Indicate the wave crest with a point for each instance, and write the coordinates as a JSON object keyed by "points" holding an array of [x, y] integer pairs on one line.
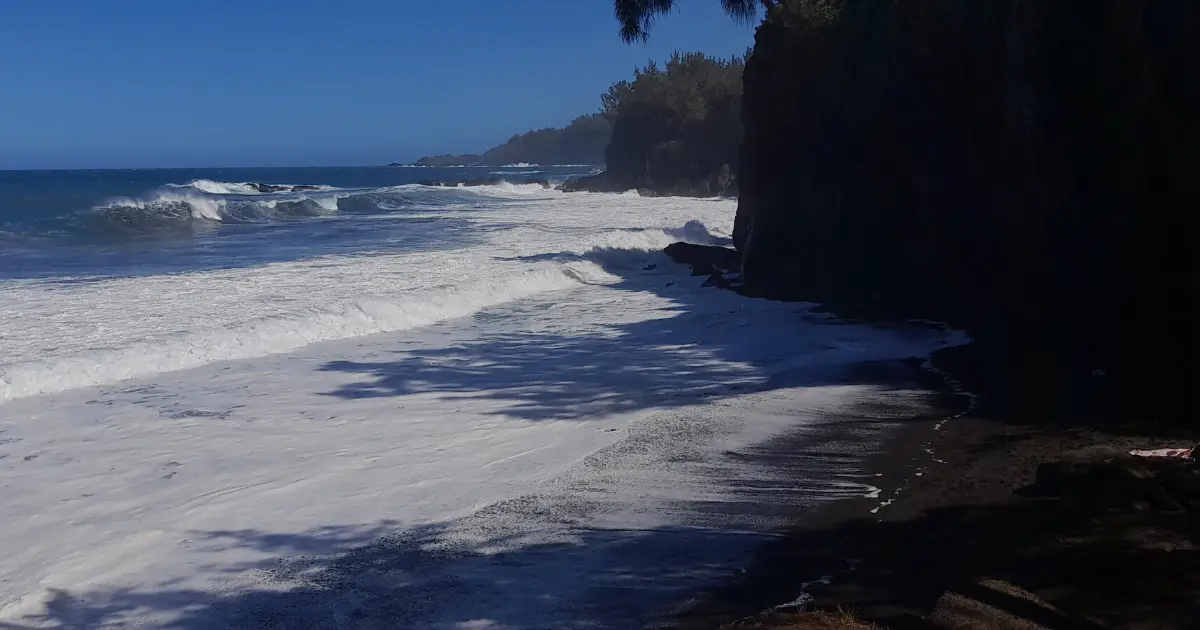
{"points": [[176, 207], [248, 188]]}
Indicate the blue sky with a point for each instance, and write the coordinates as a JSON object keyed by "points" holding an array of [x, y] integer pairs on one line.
{"points": [[155, 83]]}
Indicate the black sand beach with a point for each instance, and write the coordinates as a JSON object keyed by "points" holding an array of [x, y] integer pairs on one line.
{"points": [[972, 542]]}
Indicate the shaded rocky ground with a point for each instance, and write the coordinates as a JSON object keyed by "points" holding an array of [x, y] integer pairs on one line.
{"points": [[1011, 516], [980, 541]]}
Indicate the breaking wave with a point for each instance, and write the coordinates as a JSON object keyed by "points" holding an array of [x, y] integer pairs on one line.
{"points": [[172, 207], [246, 188], [204, 204]]}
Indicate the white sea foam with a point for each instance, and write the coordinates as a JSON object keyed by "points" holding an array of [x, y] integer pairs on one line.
{"points": [[56, 336], [598, 427], [278, 334], [505, 189]]}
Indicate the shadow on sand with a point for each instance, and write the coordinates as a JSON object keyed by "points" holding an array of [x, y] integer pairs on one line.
{"points": [[700, 343], [706, 343]]}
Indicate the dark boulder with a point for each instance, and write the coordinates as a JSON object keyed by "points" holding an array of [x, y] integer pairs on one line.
{"points": [[455, 183], [481, 181], [706, 259], [601, 182], [544, 183], [269, 188]]}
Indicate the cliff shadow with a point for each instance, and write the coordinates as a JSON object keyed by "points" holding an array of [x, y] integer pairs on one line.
{"points": [[423, 577], [684, 344]]}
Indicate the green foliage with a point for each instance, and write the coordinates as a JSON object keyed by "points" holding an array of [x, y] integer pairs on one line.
{"points": [[691, 85], [676, 122], [636, 17]]}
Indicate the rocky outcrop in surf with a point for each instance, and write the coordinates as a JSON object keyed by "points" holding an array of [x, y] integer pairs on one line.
{"points": [[272, 188], [454, 183], [480, 181]]}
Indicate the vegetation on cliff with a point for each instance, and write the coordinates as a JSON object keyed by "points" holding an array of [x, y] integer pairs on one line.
{"points": [[1020, 169], [676, 128], [581, 142]]}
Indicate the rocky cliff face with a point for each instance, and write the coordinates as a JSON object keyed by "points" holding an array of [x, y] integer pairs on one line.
{"points": [[1021, 168]]}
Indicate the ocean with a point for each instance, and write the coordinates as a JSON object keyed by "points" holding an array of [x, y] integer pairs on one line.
{"points": [[337, 398]]}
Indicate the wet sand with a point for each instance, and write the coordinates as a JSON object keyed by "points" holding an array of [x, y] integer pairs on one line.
{"points": [[963, 520]]}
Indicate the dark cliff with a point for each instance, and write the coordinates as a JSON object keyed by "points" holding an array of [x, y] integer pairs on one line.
{"points": [[1023, 169]]}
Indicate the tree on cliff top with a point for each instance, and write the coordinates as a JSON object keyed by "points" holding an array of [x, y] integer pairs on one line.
{"points": [[676, 125], [690, 85], [637, 16]]}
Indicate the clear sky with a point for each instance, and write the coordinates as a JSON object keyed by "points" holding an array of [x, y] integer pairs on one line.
{"points": [[158, 83]]}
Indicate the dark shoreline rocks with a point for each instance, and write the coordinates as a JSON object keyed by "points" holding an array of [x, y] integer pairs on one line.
{"points": [[455, 183], [721, 184], [722, 265], [479, 181], [705, 259], [1056, 508], [601, 182], [272, 188]]}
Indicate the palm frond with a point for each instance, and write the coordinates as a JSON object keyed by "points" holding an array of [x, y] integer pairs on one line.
{"points": [[744, 11], [637, 16]]}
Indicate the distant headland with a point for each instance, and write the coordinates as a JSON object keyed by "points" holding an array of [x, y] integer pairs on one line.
{"points": [[580, 142], [673, 129]]}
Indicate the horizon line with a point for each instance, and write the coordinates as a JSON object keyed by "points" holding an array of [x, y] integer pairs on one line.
{"points": [[201, 168]]}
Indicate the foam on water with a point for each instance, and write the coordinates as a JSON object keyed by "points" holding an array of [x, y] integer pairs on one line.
{"points": [[280, 334], [603, 429], [505, 189], [56, 336]]}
